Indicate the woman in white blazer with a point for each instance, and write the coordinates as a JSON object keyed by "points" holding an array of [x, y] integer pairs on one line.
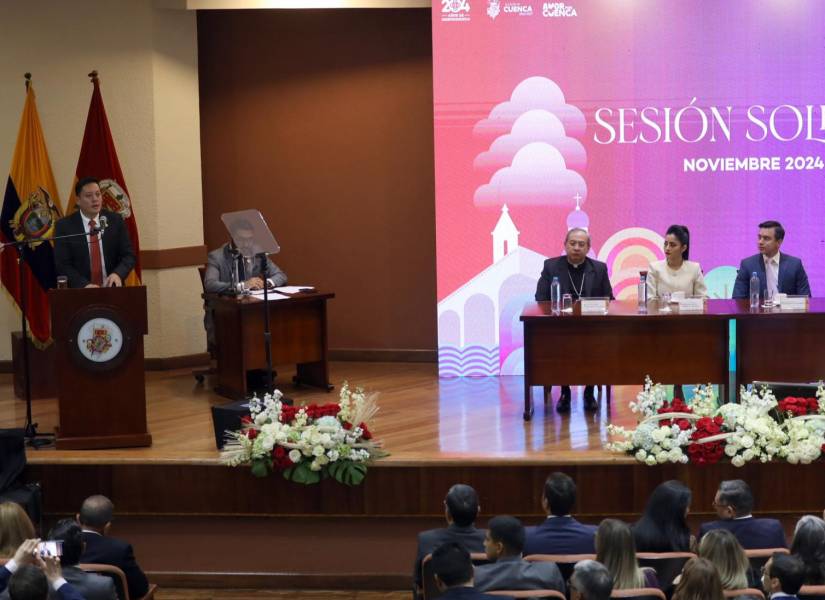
{"points": [[676, 273]]}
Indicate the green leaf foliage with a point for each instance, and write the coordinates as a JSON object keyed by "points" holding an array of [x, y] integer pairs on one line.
{"points": [[348, 473], [301, 473]]}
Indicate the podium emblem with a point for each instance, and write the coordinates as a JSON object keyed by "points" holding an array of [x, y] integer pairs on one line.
{"points": [[99, 340]]}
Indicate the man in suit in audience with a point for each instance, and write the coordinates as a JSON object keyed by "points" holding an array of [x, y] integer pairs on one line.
{"points": [[21, 580], [104, 256], [508, 570], [783, 576], [454, 573], [460, 510], [90, 585], [560, 533], [777, 272], [579, 276], [95, 518], [733, 504], [590, 581]]}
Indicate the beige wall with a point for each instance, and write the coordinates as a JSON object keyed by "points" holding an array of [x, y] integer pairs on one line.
{"points": [[147, 61]]}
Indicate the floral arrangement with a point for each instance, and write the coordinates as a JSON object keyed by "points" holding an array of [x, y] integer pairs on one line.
{"points": [[307, 443], [758, 427]]}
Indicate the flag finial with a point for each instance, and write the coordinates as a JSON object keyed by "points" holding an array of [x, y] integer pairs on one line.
{"points": [[93, 76], [28, 78]]}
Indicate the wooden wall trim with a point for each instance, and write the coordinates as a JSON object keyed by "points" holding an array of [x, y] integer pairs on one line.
{"points": [[283, 581], [170, 258], [383, 355]]}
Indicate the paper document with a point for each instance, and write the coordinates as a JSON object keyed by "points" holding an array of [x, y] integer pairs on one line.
{"points": [[294, 289], [272, 295]]}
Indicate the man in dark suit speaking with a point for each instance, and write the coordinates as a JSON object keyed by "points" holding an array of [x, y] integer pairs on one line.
{"points": [[777, 272], [101, 258], [579, 276]]}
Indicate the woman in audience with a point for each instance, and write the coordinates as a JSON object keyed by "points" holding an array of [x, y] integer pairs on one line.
{"points": [[700, 581], [722, 549], [809, 545], [15, 528], [616, 551], [663, 526], [676, 273]]}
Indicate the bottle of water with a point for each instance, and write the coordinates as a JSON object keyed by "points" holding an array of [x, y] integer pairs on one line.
{"points": [[555, 295], [754, 291], [643, 289]]}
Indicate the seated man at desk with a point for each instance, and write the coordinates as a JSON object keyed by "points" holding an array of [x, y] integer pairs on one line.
{"points": [[579, 276], [218, 276]]}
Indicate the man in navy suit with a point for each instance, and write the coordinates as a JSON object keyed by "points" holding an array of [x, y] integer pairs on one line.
{"points": [[578, 276], [460, 510], [783, 576], [733, 504], [560, 533], [509, 571], [95, 518], [101, 258], [454, 573], [777, 272], [27, 582]]}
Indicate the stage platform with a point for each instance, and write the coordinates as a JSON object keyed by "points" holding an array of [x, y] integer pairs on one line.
{"points": [[196, 522]]}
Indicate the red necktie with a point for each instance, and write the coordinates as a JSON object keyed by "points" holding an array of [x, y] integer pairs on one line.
{"points": [[94, 249]]}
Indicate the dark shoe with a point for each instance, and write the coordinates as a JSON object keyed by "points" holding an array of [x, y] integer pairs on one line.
{"points": [[563, 405], [590, 402]]}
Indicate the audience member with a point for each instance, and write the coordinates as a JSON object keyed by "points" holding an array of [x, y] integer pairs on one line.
{"points": [[454, 573], [699, 581], [590, 581], [782, 576], [23, 581], [90, 585], [616, 551], [508, 570], [15, 528], [663, 525], [722, 549], [733, 504], [95, 518], [809, 545], [460, 510], [560, 533]]}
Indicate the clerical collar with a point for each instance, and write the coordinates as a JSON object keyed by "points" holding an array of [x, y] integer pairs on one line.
{"points": [[574, 266]]}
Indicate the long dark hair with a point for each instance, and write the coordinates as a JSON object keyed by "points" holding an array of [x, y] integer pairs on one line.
{"points": [[662, 527], [681, 233], [809, 545]]}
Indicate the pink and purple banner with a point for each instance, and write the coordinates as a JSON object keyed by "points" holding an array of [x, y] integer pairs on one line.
{"points": [[623, 117]]}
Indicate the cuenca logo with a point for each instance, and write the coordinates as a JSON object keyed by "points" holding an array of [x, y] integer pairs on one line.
{"points": [[522, 10], [557, 9], [455, 10], [493, 8]]}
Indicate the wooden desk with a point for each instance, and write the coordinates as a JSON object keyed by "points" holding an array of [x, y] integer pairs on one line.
{"points": [[623, 346], [299, 336], [776, 345]]}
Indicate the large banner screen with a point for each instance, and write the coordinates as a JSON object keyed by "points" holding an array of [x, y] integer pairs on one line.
{"points": [[622, 117]]}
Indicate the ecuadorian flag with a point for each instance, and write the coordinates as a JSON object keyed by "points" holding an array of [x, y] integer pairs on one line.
{"points": [[31, 207]]}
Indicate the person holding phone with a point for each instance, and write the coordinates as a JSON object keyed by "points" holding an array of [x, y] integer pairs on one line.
{"points": [[29, 576], [90, 586]]}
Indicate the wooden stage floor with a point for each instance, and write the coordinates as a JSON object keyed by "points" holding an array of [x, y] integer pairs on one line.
{"points": [[422, 419]]}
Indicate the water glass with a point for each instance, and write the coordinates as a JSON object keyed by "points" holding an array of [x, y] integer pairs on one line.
{"points": [[62, 282], [664, 302], [567, 303], [768, 299]]}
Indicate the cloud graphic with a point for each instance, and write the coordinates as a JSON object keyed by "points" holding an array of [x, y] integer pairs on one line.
{"points": [[537, 125], [533, 92], [537, 177]]}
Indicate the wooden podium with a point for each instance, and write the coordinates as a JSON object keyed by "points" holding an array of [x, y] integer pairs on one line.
{"points": [[98, 335]]}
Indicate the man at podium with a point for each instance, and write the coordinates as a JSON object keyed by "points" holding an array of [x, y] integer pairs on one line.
{"points": [[101, 258]]}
